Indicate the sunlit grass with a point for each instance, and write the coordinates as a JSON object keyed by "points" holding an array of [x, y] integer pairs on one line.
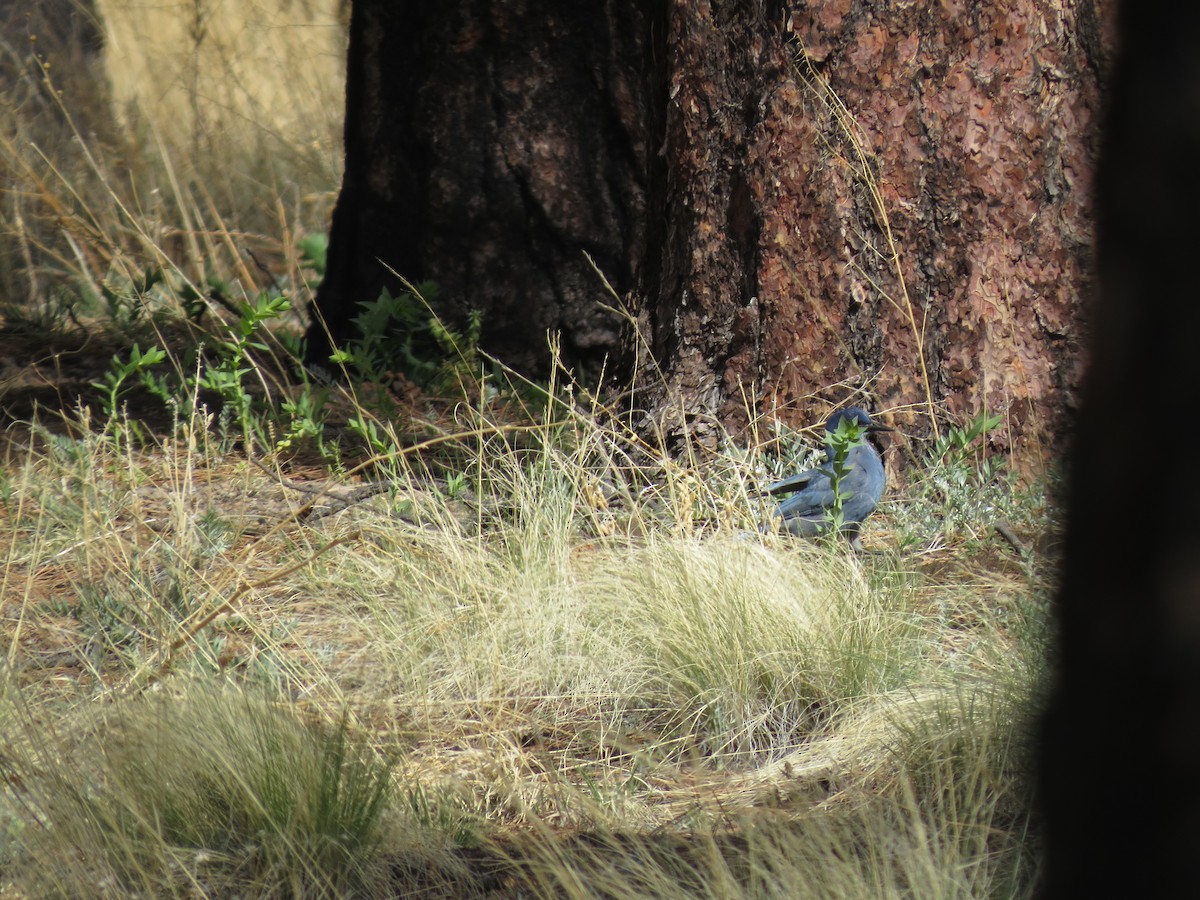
{"points": [[206, 789], [536, 661]]}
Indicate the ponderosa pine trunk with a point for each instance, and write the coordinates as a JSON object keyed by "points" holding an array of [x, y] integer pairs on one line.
{"points": [[877, 196], [489, 146], [794, 201]]}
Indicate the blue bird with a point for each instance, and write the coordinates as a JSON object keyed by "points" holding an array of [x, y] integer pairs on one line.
{"points": [[805, 512]]}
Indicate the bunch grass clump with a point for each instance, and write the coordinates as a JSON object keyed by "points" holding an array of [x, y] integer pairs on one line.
{"points": [[186, 792]]}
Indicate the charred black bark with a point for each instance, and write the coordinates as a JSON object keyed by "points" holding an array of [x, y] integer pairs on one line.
{"points": [[370, 230], [488, 147]]}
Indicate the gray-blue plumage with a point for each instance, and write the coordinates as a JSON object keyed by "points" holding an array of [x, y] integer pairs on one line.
{"points": [[804, 513]]}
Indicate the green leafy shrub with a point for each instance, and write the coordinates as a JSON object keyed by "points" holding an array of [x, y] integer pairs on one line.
{"points": [[314, 252], [403, 334], [962, 490]]}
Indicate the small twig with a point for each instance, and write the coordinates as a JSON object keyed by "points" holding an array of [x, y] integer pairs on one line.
{"points": [[352, 495], [261, 266], [1005, 531], [227, 606], [316, 492], [309, 512]]}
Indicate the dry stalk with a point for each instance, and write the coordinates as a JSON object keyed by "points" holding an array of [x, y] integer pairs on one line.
{"points": [[862, 167]]}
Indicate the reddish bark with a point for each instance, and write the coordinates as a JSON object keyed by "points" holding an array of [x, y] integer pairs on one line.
{"points": [[977, 122]]}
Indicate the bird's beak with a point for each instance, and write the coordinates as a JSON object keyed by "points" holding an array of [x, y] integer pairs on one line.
{"points": [[881, 443]]}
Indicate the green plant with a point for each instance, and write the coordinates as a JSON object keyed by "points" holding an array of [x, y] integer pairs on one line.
{"points": [[314, 250], [127, 616], [456, 485], [125, 306], [107, 619], [958, 447], [48, 311], [226, 376], [848, 434], [120, 371], [306, 419], [368, 431], [229, 363], [961, 489], [402, 334]]}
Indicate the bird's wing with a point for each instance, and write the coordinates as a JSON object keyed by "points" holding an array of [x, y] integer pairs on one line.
{"points": [[858, 470], [797, 482], [811, 500], [806, 504]]}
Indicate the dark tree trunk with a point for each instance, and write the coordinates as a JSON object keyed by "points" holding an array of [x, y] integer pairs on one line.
{"points": [[698, 293], [795, 200], [488, 147], [1118, 780]]}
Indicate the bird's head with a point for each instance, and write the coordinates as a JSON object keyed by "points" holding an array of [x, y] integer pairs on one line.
{"points": [[857, 415]]}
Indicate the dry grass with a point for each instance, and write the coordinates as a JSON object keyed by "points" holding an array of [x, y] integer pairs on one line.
{"points": [[202, 73], [545, 661], [538, 657], [202, 144]]}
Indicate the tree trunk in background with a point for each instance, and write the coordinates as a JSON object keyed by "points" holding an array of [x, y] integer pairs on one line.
{"points": [[1118, 777], [903, 209], [488, 146], [970, 126]]}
